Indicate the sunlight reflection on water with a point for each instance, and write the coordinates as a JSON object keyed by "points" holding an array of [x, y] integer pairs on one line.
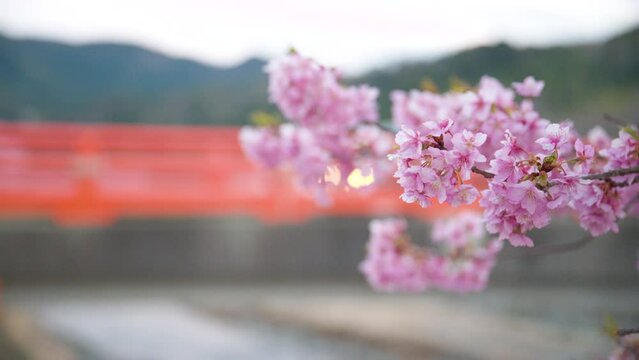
{"points": [[158, 329]]}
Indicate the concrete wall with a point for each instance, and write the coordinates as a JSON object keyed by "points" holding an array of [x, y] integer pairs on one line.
{"points": [[245, 249]]}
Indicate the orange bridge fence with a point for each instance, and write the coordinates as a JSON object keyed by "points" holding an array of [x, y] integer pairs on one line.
{"points": [[95, 173]]}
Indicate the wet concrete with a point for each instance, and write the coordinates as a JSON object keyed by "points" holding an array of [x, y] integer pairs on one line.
{"points": [[325, 321]]}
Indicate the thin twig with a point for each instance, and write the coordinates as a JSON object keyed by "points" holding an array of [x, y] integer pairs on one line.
{"points": [[625, 183], [624, 332], [615, 120], [601, 176], [612, 173], [552, 249], [484, 173]]}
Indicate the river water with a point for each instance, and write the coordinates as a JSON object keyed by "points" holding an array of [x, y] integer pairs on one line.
{"points": [[192, 322], [167, 330]]}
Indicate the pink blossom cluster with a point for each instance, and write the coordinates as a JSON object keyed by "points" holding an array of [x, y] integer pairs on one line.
{"points": [[461, 263], [466, 228], [529, 185], [627, 349], [331, 127], [490, 109], [535, 168], [310, 94], [432, 163]]}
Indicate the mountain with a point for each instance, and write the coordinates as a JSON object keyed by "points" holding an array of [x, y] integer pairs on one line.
{"points": [[111, 82], [121, 83], [582, 82]]}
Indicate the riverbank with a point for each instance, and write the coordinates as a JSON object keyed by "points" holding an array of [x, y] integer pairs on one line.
{"points": [[327, 320]]}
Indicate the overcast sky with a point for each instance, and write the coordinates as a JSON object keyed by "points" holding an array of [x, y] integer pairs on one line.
{"points": [[352, 34]]}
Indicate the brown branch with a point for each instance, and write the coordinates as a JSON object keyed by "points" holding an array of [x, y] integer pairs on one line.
{"points": [[625, 183], [624, 332], [552, 249], [612, 173], [615, 120], [484, 173], [600, 176], [607, 175]]}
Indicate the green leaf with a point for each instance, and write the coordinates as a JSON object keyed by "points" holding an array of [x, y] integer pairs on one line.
{"points": [[542, 179], [610, 326], [550, 161], [632, 131], [264, 119]]}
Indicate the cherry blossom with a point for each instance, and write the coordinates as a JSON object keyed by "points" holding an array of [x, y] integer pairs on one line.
{"points": [[555, 136], [329, 126], [529, 87], [410, 143], [534, 168], [462, 261]]}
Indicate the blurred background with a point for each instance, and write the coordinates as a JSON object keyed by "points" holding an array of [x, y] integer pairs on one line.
{"points": [[132, 226]]}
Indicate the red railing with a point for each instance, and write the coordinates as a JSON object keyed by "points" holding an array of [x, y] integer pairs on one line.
{"points": [[93, 174]]}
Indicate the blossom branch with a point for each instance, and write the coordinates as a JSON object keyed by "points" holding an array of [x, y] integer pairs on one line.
{"points": [[615, 120], [600, 176], [624, 332], [618, 121], [625, 183], [613, 173], [554, 248], [435, 153], [484, 173]]}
